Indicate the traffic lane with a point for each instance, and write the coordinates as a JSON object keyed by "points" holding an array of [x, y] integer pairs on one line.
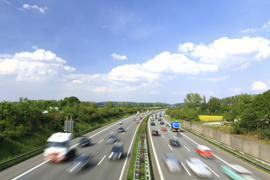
{"points": [[222, 157], [37, 161], [161, 147], [212, 164], [58, 171], [183, 154]]}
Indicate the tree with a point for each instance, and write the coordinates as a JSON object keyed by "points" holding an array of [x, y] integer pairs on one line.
{"points": [[193, 100]]}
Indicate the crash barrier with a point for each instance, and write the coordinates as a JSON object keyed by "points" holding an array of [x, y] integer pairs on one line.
{"points": [[213, 140], [146, 161], [31, 152], [137, 162]]}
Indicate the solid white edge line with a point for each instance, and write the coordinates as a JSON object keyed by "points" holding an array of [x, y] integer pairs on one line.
{"points": [[100, 141], [186, 169], [30, 170], [101, 160], [211, 170], [186, 148], [155, 154], [122, 172]]}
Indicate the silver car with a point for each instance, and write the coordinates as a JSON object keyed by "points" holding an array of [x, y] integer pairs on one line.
{"points": [[172, 163], [199, 168]]}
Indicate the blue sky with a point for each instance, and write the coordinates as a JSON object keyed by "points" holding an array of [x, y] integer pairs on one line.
{"points": [[142, 51]]}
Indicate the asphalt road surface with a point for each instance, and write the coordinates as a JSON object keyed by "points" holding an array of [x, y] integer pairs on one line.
{"points": [[100, 167], [160, 145]]}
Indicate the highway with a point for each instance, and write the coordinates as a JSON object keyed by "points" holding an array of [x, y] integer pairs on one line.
{"points": [[100, 166], [159, 145]]}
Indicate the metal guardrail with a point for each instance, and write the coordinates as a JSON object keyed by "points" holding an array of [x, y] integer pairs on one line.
{"points": [[146, 161], [28, 153], [137, 162]]}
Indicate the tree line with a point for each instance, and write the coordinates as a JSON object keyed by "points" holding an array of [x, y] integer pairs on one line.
{"points": [[248, 113], [26, 116]]}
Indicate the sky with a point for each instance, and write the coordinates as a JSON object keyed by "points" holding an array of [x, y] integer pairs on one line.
{"points": [[139, 51]]}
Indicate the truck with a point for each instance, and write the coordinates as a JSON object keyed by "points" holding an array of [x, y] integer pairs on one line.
{"points": [[175, 126], [160, 114], [58, 147]]}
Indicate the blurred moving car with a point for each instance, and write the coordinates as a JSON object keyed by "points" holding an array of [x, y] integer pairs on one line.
{"points": [[112, 139], [163, 129], [161, 122], [120, 122], [238, 172], [116, 152], [199, 168], [204, 151], [137, 122], [120, 129], [154, 132], [153, 123], [172, 163], [152, 119], [84, 142], [174, 142], [159, 119], [79, 162]]}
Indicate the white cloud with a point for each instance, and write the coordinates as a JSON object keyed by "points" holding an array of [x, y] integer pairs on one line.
{"points": [[233, 53], [119, 57], [186, 47], [36, 66], [35, 47], [266, 26], [237, 90], [259, 85], [248, 30], [35, 7], [217, 79]]}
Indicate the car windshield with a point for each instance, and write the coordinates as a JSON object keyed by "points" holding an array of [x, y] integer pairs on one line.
{"points": [[116, 149], [112, 137], [57, 144]]}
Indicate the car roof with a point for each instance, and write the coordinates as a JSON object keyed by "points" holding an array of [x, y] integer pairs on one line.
{"points": [[205, 148], [240, 169]]}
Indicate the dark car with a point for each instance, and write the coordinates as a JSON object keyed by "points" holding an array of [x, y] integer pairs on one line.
{"points": [[161, 122], [112, 139], [154, 132], [159, 119], [84, 142], [116, 152], [121, 129], [79, 162], [153, 124], [174, 142]]}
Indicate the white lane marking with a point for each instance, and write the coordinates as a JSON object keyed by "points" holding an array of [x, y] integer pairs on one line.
{"points": [[186, 148], [75, 167], [112, 132], [123, 133], [155, 154], [127, 127], [101, 160], [122, 172], [30, 170], [170, 147], [100, 141], [162, 136], [49, 160], [186, 169], [174, 137], [213, 153], [211, 170]]}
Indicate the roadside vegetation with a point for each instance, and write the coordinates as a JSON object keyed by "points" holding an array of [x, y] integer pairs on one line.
{"points": [[245, 115], [26, 125]]}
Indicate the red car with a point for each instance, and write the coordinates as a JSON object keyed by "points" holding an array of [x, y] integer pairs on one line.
{"points": [[137, 122], [204, 151], [163, 129]]}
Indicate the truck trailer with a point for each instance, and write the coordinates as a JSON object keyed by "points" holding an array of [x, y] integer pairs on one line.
{"points": [[175, 126]]}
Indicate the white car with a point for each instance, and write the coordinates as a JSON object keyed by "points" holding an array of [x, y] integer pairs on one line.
{"points": [[199, 168], [120, 123]]}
